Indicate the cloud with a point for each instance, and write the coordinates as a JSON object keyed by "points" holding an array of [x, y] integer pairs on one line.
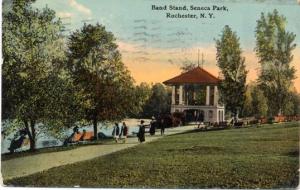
{"points": [[81, 8], [65, 14]]}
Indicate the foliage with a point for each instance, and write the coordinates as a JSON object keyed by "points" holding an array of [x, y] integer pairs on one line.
{"points": [[159, 101], [142, 95], [255, 102], [292, 106], [105, 86], [200, 96], [33, 55], [274, 46], [232, 65], [248, 158], [187, 65], [247, 107], [259, 102]]}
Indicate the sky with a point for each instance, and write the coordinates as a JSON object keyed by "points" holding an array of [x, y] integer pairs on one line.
{"points": [[153, 47]]}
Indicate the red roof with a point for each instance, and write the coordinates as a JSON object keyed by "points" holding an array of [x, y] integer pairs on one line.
{"points": [[194, 76]]}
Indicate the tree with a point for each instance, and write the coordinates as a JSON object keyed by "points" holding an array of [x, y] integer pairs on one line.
{"points": [[247, 110], [105, 85], [259, 102], [33, 52], [142, 95], [187, 65], [274, 46], [159, 101], [293, 103], [232, 65]]}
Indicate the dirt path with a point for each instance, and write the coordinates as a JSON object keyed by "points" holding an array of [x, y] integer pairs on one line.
{"points": [[27, 165]]}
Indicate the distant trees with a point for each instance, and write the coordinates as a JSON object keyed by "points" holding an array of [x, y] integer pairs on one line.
{"points": [[232, 66], [256, 104], [293, 103], [106, 87], [259, 103], [274, 46], [143, 92], [152, 100], [159, 101]]}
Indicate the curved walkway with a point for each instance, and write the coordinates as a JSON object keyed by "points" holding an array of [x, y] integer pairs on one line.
{"points": [[27, 165]]}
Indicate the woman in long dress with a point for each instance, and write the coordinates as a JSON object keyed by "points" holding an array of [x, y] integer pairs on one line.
{"points": [[141, 133]]}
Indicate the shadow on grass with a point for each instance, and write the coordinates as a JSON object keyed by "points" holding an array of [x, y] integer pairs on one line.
{"points": [[284, 125], [294, 153], [198, 150], [199, 130]]}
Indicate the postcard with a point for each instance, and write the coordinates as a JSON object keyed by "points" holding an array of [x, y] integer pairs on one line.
{"points": [[200, 94]]}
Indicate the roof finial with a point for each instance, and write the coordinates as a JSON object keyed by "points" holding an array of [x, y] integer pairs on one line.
{"points": [[202, 60], [198, 57]]}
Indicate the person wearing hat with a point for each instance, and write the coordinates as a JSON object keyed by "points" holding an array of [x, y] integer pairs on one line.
{"points": [[152, 126], [141, 133], [116, 132], [124, 132]]}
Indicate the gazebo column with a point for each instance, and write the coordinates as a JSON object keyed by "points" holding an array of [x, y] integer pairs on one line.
{"points": [[173, 95], [180, 94], [207, 95], [216, 96]]}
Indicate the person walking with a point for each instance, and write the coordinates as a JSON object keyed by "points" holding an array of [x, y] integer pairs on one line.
{"points": [[152, 126], [162, 127], [124, 132], [116, 132], [141, 133]]}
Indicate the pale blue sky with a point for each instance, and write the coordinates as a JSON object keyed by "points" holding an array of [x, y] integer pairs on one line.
{"points": [[124, 19], [153, 47]]}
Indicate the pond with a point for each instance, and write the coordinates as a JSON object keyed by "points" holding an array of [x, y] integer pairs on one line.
{"points": [[43, 140]]}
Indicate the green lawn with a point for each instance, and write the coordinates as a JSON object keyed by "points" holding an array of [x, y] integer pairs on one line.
{"points": [[265, 157]]}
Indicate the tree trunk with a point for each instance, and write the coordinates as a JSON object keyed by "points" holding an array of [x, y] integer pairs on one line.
{"points": [[95, 122], [32, 142], [31, 134]]}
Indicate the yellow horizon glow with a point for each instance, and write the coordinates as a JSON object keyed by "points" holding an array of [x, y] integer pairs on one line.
{"points": [[160, 65]]}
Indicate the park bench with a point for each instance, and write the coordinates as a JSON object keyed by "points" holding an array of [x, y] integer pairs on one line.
{"points": [[79, 139], [238, 124], [222, 124], [202, 126], [279, 119]]}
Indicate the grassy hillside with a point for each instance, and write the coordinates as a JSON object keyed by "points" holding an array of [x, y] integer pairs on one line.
{"points": [[265, 157]]}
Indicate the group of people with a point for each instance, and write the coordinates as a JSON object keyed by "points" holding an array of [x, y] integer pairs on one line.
{"points": [[154, 124], [120, 134]]}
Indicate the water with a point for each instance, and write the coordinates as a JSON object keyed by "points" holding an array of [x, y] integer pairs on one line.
{"points": [[44, 141]]}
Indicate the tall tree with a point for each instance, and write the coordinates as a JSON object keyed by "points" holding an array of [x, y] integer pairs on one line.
{"points": [[274, 46], [106, 87], [32, 52], [232, 65]]}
